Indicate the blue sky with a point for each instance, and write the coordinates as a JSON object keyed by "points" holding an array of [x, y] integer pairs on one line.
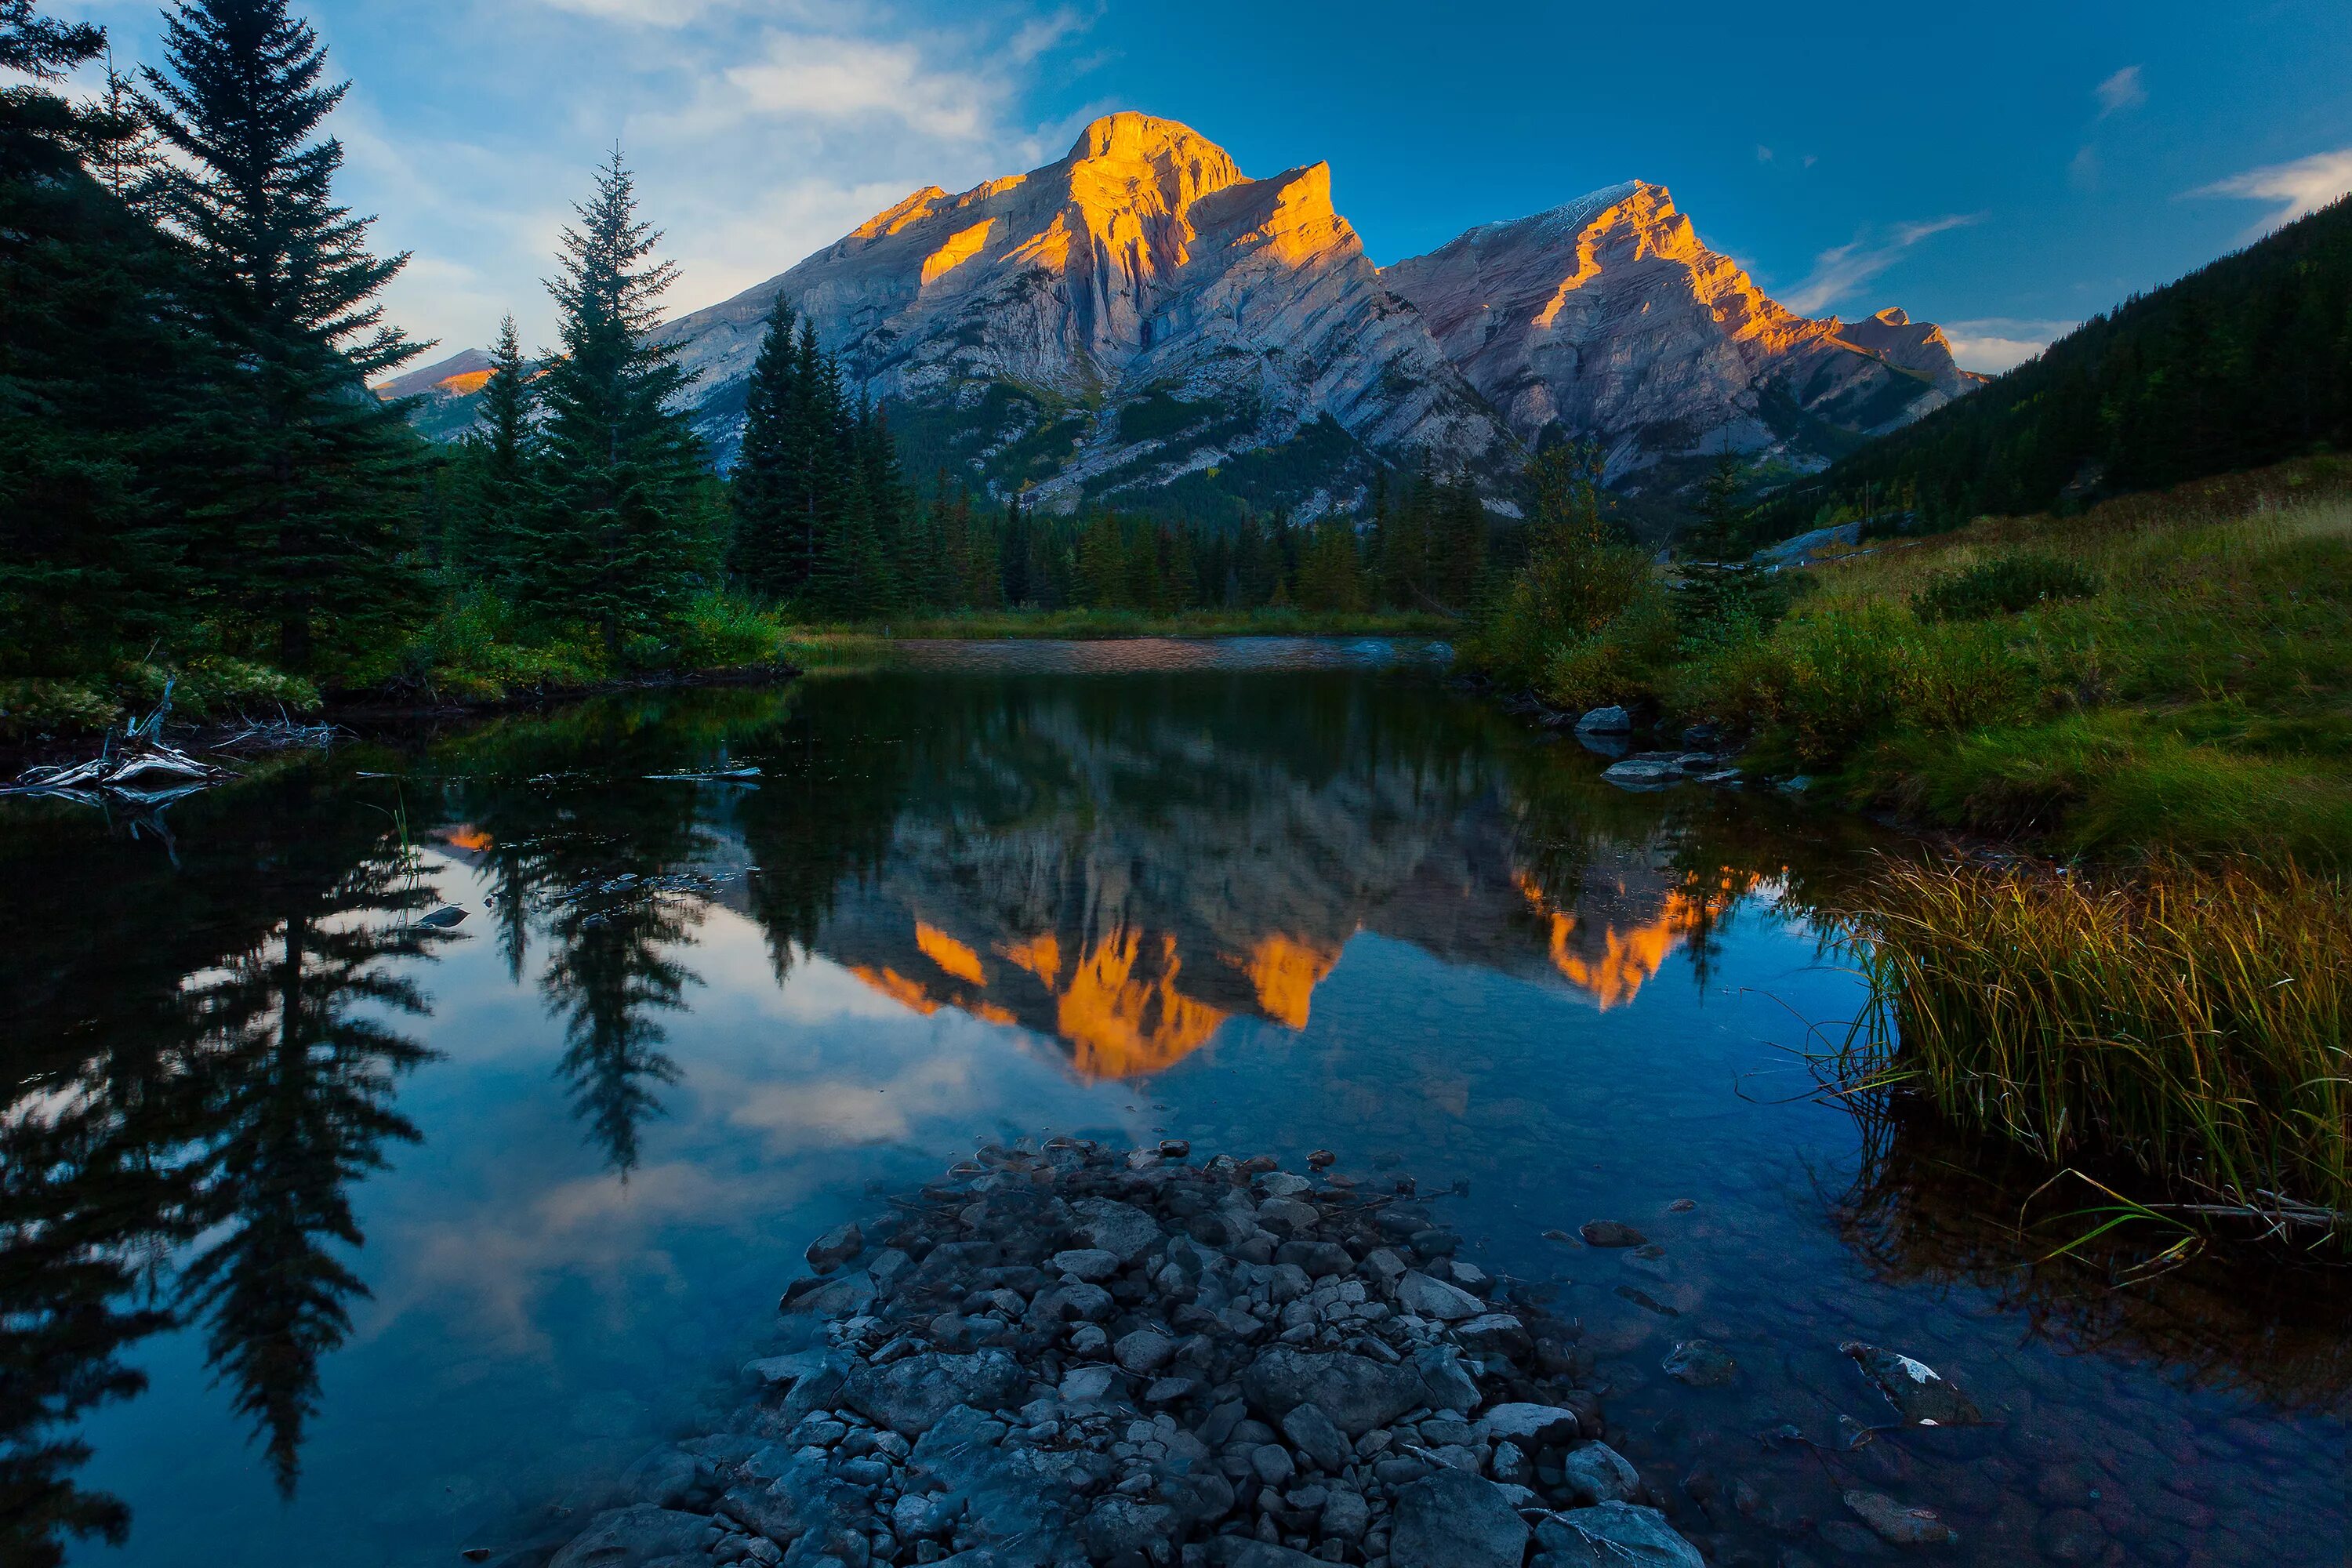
{"points": [[2004, 168]]}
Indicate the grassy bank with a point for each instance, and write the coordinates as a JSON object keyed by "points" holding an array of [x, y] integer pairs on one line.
{"points": [[1091, 625], [2191, 1025], [476, 652]]}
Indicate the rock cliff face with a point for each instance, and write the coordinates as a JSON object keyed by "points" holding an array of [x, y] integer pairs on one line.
{"points": [[1142, 324], [1136, 316], [1608, 317]]}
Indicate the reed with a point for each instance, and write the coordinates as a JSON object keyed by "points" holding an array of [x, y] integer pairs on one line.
{"points": [[2190, 1022]]}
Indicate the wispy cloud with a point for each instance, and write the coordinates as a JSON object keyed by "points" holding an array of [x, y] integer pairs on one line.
{"points": [[1841, 271], [2299, 189], [2001, 343], [2120, 91]]}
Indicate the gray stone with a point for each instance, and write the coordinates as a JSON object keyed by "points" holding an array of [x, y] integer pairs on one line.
{"points": [[1417, 1292], [1641, 773], [1610, 1232], [1446, 1384], [1120, 1229], [1455, 1519], [1122, 1524], [836, 1247], [632, 1537], [1312, 1434], [1143, 1352], [783, 1372], [1355, 1392], [1701, 1363], [2070, 1535], [1288, 1216], [1612, 1535], [921, 1516], [662, 1479], [1345, 1514], [1529, 1425], [1284, 1184], [1273, 1464], [1597, 1473], [844, 1297], [1920, 1395], [1248, 1551], [1495, 1333], [909, 1395], [1091, 1264], [1086, 1385], [1610, 720], [1510, 1465], [1892, 1522]]}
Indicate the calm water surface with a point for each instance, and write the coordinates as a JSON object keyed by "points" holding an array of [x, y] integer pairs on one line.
{"points": [[329, 1237]]}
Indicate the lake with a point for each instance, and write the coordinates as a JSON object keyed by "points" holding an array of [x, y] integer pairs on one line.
{"points": [[334, 1236]]}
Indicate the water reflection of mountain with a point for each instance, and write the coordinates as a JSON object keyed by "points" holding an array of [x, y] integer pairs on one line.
{"points": [[1141, 877]]}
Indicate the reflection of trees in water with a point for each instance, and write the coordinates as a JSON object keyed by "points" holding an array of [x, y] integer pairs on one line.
{"points": [[200, 1054], [610, 975], [1930, 1204]]}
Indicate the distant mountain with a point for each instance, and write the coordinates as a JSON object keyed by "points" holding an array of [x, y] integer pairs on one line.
{"points": [[1608, 317], [2243, 362], [1141, 324], [449, 392]]}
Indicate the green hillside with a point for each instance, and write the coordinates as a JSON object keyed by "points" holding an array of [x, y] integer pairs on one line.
{"points": [[2244, 362]]}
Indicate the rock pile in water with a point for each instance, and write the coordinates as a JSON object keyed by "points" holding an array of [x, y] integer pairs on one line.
{"points": [[1069, 1355]]}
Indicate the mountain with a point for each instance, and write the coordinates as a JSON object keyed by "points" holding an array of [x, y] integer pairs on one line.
{"points": [[447, 392], [1141, 324], [1608, 317], [2246, 362], [1137, 319]]}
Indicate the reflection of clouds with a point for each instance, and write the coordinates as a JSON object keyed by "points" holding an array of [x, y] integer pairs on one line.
{"points": [[835, 1111]]}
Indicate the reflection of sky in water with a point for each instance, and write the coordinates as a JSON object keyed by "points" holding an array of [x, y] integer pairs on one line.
{"points": [[1400, 964]]}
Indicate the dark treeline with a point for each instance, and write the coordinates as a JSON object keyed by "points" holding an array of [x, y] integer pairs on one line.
{"points": [[2243, 363], [824, 520]]}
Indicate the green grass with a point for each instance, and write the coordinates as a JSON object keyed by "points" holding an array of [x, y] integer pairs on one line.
{"points": [[2177, 677], [2193, 1023]]}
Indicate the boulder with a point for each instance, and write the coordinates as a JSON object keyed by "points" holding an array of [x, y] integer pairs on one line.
{"points": [[1417, 1292], [1312, 1434], [1642, 774], [1090, 1264], [1455, 1519], [910, 1396], [1610, 720], [1597, 1473], [1529, 1425], [1892, 1522], [836, 1247], [1120, 1229], [632, 1537], [1356, 1393], [1123, 1524], [1495, 1333], [1612, 1535], [1446, 1384], [1143, 1352], [1701, 1363], [1920, 1395]]}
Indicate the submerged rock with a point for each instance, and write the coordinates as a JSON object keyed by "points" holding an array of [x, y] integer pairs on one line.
{"points": [[1892, 1522], [1610, 1233], [1920, 1395]]}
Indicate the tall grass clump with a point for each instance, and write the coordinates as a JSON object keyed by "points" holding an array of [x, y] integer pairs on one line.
{"points": [[2191, 1023], [2004, 586]]}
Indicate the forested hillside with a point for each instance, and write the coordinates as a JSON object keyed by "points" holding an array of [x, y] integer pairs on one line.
{"points": [[2243, 362]]}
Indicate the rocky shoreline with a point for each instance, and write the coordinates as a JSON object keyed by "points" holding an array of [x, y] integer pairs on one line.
{"points": [[1066, 1356]]}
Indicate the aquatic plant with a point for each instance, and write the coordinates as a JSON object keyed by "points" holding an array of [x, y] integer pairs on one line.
{"points": [[2195, 1023]]}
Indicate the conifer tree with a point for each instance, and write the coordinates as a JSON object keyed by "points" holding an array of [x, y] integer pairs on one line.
{"points": [[504, 442], [1016, 549], [768, 552], [1715, 590], [313, 516], [103, 376], [615, 548]]}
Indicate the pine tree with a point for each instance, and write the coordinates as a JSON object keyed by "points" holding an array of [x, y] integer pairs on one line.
{"points": [[104, 376], [1716, 590], [1016, 549], [313, 516], [503, 451], [614, 548], [768, 552]]}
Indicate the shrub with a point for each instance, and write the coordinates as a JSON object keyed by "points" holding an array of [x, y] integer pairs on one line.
{"points": [[1619, 662], [1559, 599], [2002, 586], [722, 632], [41, 706]]}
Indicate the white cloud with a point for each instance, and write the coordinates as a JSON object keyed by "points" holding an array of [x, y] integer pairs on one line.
{"points": [[2299, 189], [2000, 342], [2083, 172], [2120, 91], [1763, 154], [1841, 271]]}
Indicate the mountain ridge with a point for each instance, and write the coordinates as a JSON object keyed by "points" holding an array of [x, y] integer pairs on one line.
{"points": [[1140, 323]]}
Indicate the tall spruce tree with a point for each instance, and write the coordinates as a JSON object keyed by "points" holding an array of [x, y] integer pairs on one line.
{"points": [[767, 551], [103, 374], [614, 547], [504, 441], [312, 512]]}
